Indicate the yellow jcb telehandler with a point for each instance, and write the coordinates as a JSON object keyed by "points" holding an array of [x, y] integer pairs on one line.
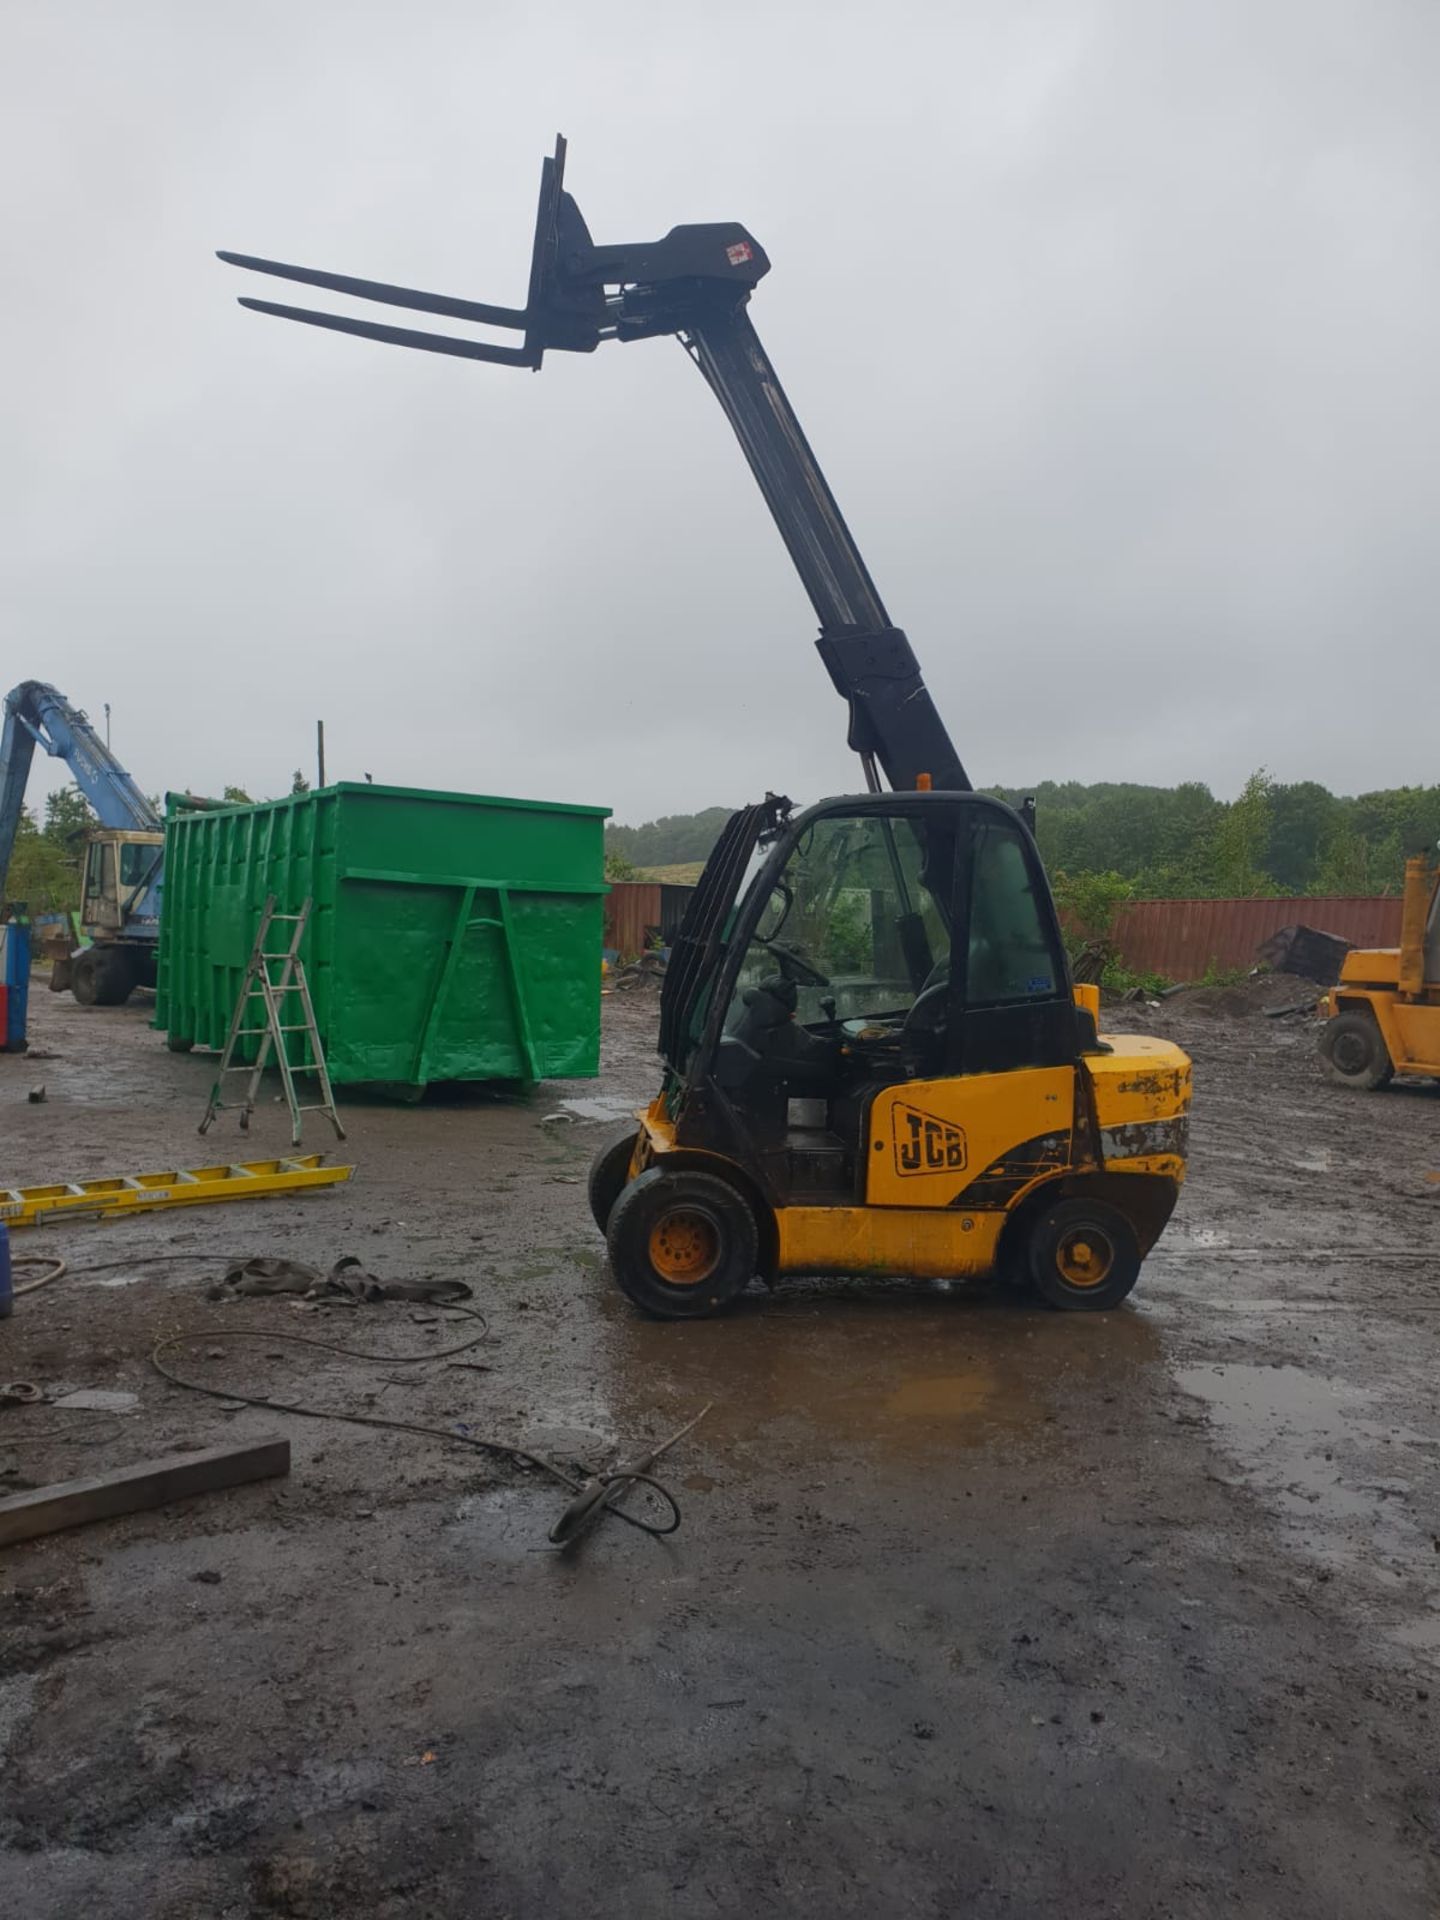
{"points": [[875, 1059]]}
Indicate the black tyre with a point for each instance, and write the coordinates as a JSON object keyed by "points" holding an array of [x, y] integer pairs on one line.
{"points": [[1082, 1256], [86, 973], [682, 1245], [1353, 1049], [177, 1044], [116, 981], [609, 1171]]}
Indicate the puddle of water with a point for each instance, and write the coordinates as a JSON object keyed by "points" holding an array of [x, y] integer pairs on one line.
{"points": [[946, 1395], [599, 1106], [1422, 1634], [1295, 1434], [843, 1371], [1317, 1161]]}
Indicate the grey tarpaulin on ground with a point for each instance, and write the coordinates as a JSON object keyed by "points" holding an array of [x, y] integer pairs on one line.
{"points": [[347, 1279]]}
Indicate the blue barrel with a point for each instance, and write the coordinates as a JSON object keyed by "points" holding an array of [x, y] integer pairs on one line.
{"points": [[15, 977], [7, 1284]]}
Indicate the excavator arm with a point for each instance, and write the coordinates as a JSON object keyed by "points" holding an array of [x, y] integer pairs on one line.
{"points": [[39, 715], [696, 284]]}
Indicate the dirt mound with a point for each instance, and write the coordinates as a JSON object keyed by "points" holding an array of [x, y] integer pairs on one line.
{"points": [[1258, 993]]}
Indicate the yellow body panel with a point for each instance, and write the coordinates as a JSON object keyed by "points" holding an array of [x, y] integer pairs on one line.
{"points": [[1420, 885], [1415, 1047], [1142, 1094], [929, 1243], [949, 1160], [1087, 997], [1371, 967], [932, 1141]]}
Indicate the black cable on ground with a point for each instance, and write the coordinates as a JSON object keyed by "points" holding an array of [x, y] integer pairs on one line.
{"points": [[502, 1448], [52, 1260]]}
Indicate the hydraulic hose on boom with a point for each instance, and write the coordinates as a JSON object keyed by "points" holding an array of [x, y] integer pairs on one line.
{"points": [[695, 283]]}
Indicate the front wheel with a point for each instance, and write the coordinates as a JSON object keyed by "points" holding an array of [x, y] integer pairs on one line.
{"points": [[609, 1171], [682, 1245], [1354, 1051], [1082, 1256]]}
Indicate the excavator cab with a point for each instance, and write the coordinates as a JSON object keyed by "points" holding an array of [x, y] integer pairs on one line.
{"points": [[875, 1061], [119, 917]]}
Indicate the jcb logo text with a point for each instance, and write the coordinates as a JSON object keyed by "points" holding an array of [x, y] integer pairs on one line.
{"points": [[924, 1144]]}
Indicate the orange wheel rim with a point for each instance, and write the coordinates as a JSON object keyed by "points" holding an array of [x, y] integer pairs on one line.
{"points": [[1084, 1257], [684, 1247]]}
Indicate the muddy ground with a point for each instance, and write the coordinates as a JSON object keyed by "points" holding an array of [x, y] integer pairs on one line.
{"points": [[975, 1609]]}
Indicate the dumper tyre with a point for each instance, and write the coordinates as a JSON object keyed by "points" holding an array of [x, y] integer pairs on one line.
{"points": [[682, 1245], [609, 1171], [116, 980], [101, 978], [1354, 1051], [1082, 1256]]}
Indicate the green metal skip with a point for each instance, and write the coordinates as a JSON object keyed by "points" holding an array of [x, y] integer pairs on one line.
{"points": [[451, 936]]}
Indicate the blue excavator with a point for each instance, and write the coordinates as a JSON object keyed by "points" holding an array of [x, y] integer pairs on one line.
{"points": [[124, 854]]}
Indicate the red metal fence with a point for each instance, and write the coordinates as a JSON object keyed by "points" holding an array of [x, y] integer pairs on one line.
{"points": [[631, 907], [636, 911], [1182, 938], [1177, 938]]}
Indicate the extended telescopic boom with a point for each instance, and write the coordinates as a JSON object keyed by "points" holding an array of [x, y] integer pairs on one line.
{"points": [[695, 283]]}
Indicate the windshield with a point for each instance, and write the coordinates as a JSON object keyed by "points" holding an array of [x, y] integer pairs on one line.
{"points": [[853, 920], [137, 862]]}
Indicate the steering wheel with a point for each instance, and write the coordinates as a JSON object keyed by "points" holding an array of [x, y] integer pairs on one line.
{"points": [[931, 1000], [787, 956]]}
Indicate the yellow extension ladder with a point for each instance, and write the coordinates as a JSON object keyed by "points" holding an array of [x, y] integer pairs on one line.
{"points": [[179, 1187]]}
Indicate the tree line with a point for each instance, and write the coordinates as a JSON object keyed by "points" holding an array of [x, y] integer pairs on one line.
{"points": [[44, 868], [1274, 838]]}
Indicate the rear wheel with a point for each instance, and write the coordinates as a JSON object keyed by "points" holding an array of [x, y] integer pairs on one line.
{"points": [[101, 977], [682, 1245], [1082, 1256], [609, 1171], [104, 977], [1354, 1051]]}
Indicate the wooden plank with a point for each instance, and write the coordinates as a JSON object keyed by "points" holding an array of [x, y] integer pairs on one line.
{"points": [[152, 1483]]}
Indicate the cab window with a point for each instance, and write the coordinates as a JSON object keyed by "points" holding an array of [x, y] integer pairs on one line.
{"points": [[99, 872], [1011, 957], [858, 919], [137, 860]]}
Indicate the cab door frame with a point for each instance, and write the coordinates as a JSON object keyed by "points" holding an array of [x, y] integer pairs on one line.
{"points": [[1027, 1030]]}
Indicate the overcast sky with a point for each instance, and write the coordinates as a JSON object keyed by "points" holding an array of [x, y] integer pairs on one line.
{"points": [[1113, 322]]}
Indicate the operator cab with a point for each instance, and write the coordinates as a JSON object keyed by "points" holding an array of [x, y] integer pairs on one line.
{"points": [[885, 938]]}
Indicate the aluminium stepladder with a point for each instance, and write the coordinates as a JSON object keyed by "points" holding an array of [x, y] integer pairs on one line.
{"points": [[276, 995]]}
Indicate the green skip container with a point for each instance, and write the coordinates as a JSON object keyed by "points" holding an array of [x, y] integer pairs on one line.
{"points": [[451, 936]]}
